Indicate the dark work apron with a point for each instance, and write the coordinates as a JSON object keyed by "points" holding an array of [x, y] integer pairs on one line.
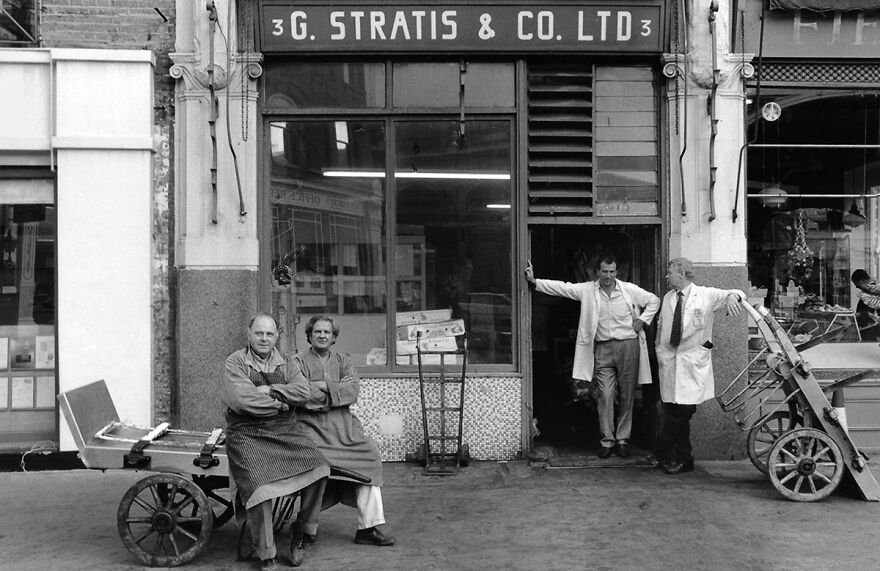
{"points": [[262, 450]]}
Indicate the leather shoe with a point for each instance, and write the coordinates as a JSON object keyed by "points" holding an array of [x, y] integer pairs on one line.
{"points": [[373, 536], [297, 550], [269, 565], [622, 450], [679, 467], [604, 452]]}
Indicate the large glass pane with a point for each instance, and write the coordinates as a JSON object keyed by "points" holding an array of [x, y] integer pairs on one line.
{"points": [[328, 256], [27, 314], [454, 231], [439, 84], [324, 84], [813, 183]]}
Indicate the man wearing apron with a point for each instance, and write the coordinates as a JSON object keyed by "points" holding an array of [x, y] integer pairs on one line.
{"points": [[269, 454]]}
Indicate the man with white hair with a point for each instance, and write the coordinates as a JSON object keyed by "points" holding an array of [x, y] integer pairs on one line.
{"points": [[684, 354]]}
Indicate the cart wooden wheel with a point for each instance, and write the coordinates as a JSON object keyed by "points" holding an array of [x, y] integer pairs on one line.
{"points": [[766, 432], [805, 465], [221, 505], [157, 524]]}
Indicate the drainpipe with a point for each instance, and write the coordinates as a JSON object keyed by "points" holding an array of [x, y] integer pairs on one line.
{"points": [[212, 117], [716, 79]]}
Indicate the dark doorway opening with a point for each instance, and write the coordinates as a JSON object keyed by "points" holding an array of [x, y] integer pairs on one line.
{"points": [[570, 253]]}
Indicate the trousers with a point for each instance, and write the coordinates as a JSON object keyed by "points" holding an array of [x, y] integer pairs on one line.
{"points": [[616, 372], [674, 443], [260, 521]]}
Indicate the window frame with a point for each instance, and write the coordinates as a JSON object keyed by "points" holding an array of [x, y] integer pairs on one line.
{"points": [[392, 116]]}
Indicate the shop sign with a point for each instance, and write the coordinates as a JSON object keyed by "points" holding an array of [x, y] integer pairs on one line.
{"points": [[584, 27], [809, 34], [317, 200]]}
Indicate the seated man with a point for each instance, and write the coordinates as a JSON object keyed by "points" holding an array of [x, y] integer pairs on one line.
{"points": [[868, 308], [269, 454], [338, 433]]}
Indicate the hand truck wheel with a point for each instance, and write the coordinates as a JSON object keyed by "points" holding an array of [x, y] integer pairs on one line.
{"points": [[165, 520], [464, 456], [766, 432], [805, 465]]}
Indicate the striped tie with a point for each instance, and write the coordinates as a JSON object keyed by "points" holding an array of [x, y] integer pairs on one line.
{"points": [[675, 335]]}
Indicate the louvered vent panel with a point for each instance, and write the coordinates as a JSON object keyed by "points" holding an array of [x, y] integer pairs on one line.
{"points": [[560, 168]]}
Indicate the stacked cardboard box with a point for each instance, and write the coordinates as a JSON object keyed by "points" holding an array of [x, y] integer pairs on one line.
{"points": [[437, 331]]}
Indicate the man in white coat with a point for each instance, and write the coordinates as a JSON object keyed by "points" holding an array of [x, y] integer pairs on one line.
{"points": [[684, 354], [610, 344]]}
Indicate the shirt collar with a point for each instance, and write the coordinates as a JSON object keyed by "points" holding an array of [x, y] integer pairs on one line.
{"points": [[275, 358], [687, 290]]}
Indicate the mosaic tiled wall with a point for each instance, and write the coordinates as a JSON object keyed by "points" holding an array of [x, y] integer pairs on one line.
{"points": [[391, 412]]}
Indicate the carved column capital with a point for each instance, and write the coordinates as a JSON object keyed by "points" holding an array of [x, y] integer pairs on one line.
{"points": [[196, 80]]}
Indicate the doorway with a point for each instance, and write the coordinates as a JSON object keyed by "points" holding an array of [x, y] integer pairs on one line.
{"points": [[570, 253]]}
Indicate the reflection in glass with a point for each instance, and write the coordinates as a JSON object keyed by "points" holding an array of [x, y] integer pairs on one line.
{"points": [[328, 253], [324, 84], [453, 249]]}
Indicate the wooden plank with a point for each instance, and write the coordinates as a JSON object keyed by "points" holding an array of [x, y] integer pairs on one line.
{"points": [[563, 133], [559, 104], [624, 73], [547, 194], [625, 178], [626, 209], [558, 209], [626, 193], [560, 179], [625, 119], [628, 163], [618, 103], [572, 148], [626, 134], [613, 149], [560, 118], [625, 89]]}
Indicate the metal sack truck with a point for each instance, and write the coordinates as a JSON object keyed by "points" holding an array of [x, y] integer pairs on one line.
{"points": [[795, 435]]}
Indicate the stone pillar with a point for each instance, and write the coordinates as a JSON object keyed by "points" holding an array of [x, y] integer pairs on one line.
{"points": [[216, 238], [704, 99]]}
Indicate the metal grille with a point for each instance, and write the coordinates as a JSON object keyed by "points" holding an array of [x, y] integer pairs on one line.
{"points": [[560, 119], [817, 74]]}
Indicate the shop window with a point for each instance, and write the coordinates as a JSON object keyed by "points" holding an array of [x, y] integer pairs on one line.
{"points": [[813, 186], [292, 85], [454, 230], [328, 256], [27, 313]]}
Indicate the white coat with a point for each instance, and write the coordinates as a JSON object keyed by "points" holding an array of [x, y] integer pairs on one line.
{"points": [[643, 305], [686, 375]]}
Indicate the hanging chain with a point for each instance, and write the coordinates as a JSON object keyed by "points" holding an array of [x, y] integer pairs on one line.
{"points": [[245, 36], [676, 50]]}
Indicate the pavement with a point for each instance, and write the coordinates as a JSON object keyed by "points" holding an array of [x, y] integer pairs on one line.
{"points": [[492, 515]]}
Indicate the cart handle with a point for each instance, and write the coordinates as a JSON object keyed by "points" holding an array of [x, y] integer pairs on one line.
{"points": [[350, 474]]}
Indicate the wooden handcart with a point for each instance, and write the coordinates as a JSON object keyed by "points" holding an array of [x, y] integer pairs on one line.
{"points": [[794, 433], [165, 519]]}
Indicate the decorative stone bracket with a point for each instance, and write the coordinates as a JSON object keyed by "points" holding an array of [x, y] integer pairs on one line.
{"points": [[196, 80], [736, 66]]}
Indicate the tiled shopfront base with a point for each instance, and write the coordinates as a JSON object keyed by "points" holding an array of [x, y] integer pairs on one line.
{"points": [[390, 410]]}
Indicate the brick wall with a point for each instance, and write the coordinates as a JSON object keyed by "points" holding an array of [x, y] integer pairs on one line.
{"points": [[141, 25]]}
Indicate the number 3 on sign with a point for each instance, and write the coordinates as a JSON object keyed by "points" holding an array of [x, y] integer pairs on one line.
{"points": [[278, 27]]}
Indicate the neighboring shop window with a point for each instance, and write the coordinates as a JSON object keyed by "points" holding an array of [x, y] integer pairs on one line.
{"points": [[27, 311], [454, 230], [813, 184], [18, 23], [328, 255]]}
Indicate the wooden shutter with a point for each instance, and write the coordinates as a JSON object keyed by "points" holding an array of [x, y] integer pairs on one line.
{"points": [[560, 138], [625, 140]]}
